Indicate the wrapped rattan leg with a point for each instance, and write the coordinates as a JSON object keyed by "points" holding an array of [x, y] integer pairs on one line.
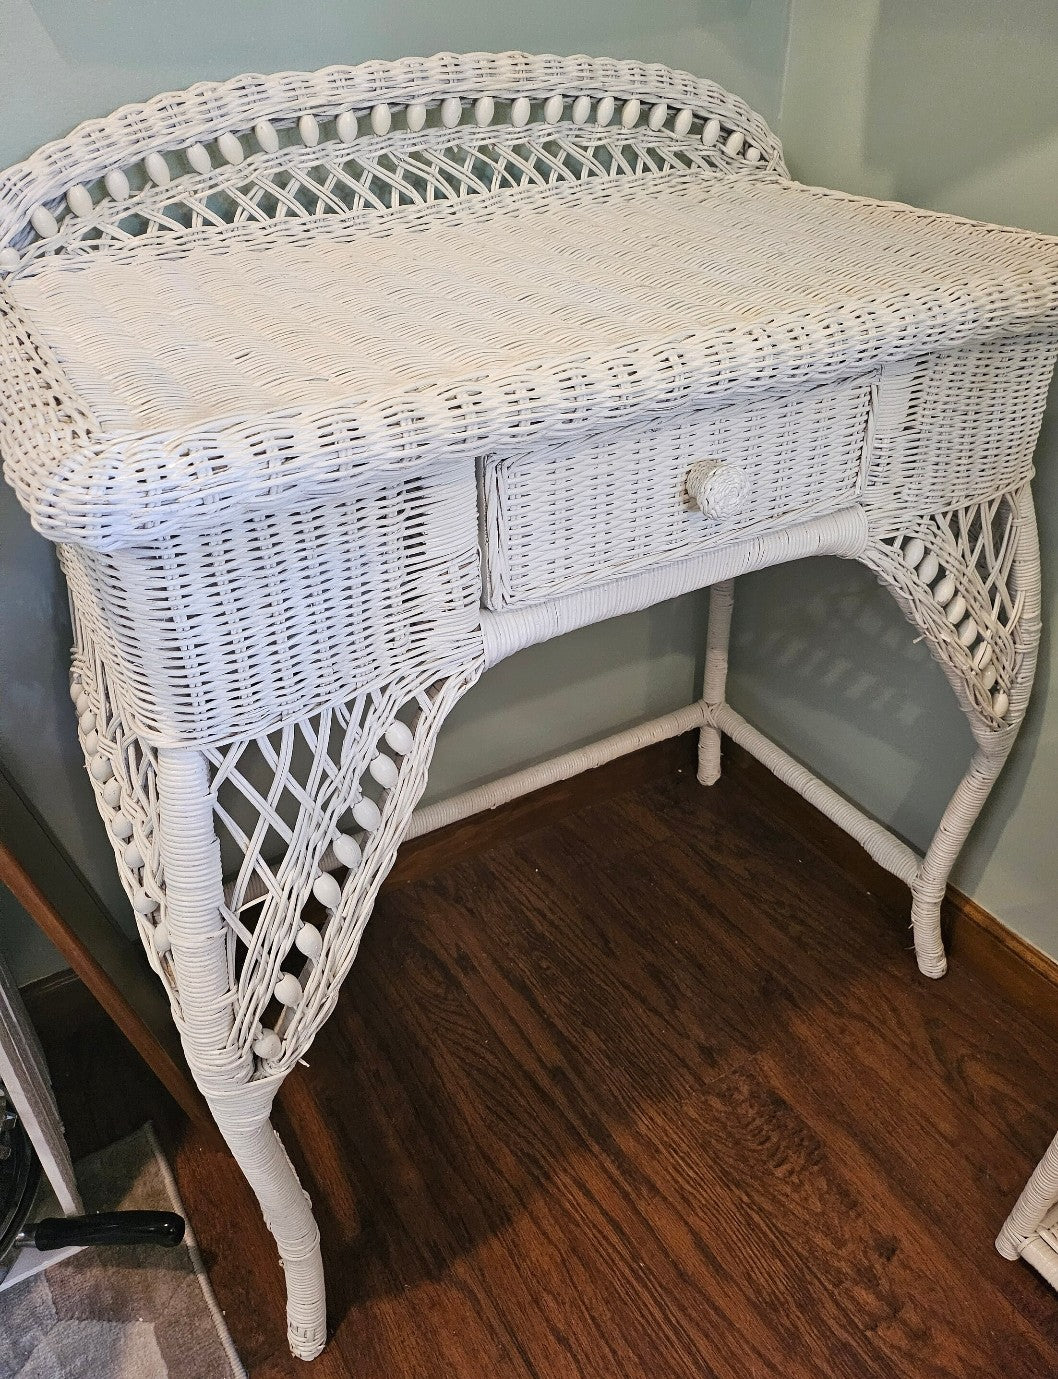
{"points": [[202, 980], [312, 815], [721, 600], [969, 579], [1035, 1203], [929, 886], [258, 1150]]}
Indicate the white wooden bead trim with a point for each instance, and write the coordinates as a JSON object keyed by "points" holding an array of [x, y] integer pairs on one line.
{"points": [[199, 159], [231, 150], [267, 136]]}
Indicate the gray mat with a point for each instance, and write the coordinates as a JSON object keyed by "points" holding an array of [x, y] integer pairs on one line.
{"points": [[127, 1313]]}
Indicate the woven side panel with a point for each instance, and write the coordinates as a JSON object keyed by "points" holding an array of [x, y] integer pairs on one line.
{"points": [[957, 428], [960, 577], [344, 780], [225, 633]]}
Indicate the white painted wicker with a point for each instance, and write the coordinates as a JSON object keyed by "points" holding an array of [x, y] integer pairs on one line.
{"points": [[275, 354]]}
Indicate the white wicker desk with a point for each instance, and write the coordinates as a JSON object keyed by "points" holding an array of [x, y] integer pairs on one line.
{"points": [[336, 389]]}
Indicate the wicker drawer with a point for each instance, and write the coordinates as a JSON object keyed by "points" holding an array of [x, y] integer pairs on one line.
{"points": [[562, 518]]}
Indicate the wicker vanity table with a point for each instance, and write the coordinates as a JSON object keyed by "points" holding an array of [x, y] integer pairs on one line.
{"points": [[336, 389]]}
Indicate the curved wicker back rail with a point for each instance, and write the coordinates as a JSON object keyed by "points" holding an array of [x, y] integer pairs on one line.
{"points": [[376, 136]]}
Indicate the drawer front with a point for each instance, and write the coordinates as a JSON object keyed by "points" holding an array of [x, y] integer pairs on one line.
{"points": [[565, 517]]}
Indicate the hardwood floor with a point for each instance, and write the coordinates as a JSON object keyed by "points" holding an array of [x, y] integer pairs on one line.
{"points": [[655, 1090]]}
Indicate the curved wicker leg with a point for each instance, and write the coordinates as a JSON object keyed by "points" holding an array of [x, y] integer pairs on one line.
{"points": [[316, 812], [931, 883], [287, 1211], [200, 955], [969, 579], [721, 600], [1036, 1201], [309, 817]]}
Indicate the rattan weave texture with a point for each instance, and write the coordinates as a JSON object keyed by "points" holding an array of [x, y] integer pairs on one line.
{"points": [[300, 371]]}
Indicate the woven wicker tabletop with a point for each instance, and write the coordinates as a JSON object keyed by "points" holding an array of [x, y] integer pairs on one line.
{"points": [[250, 362]]}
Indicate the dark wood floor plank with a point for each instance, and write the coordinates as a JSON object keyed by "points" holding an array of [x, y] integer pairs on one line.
{"points": [[654, 1090]]}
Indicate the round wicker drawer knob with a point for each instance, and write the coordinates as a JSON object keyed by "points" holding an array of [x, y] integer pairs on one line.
{"points": [[718, 490], [268, 1045], [399, 737], [384, 770], [347, 851], [326, 890], [288, 990], [309, 941], [367, 815]]}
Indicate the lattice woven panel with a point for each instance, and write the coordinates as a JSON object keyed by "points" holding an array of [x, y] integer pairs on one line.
{"points": [[309, 818], [403, 169], [955, 575]]}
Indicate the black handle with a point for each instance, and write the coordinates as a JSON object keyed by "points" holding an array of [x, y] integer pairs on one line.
{"points": [[107, 1228]]}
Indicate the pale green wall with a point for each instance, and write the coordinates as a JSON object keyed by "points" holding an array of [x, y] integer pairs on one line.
{"points": [[950, 104], [64, 60]]}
